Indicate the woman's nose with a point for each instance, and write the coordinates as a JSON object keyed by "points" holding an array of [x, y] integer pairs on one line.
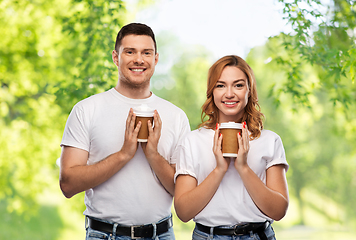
{"points": [[229, 92]]}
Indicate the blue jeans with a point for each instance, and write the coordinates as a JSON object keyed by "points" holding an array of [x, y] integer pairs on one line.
{"points": [[92, 234], [199, 235]]}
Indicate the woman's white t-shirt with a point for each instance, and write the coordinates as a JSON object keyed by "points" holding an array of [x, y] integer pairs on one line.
{"points": [[231, 203]]}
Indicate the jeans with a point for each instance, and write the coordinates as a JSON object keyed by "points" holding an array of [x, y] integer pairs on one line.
{"points": [[199, 235], [92, 234]]}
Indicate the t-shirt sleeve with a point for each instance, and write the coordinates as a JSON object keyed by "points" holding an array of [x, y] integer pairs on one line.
{"points": [[76, 131], [184, 161], [184, 130], [279, 156]]}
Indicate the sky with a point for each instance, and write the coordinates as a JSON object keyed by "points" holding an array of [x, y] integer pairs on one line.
{"points": [[222, 26]]}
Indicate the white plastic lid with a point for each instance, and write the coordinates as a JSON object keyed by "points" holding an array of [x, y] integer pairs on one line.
{"points": [[232, 125], [143, 111]]}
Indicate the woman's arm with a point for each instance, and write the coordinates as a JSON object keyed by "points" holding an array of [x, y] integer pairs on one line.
{"points": [[271, 198], [190, 198]]}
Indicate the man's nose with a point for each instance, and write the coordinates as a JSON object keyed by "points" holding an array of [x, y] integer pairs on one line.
{"points": [[139, 58]]}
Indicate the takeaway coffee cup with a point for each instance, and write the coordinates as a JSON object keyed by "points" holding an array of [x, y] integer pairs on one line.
{"points": [[143, 114], [229, 131]]}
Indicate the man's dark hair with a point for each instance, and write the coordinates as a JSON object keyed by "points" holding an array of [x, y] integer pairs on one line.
{"points": [[134, 29]]}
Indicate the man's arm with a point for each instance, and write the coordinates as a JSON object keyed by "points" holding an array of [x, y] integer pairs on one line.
{"points": [[76, 176], [163, 170]]}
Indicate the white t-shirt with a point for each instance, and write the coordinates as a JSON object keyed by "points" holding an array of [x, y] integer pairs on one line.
{"points": [[132, 196], [231, 203]]}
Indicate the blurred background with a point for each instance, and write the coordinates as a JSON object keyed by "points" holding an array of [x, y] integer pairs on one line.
{"points": [[54, 53]]}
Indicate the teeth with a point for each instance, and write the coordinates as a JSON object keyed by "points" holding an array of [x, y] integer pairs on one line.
{"points": [[137, 70], [229, 103]]}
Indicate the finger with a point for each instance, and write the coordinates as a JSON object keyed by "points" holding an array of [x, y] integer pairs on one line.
{"points": [[137, 128], [157, 120], [239, 140], [150, 128], [220, 141], [246, 137], [216, 136], [132, 122], [129, 116]]}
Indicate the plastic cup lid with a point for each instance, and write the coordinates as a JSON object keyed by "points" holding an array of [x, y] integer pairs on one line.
{"points": [[231, 125], [143, 111]]}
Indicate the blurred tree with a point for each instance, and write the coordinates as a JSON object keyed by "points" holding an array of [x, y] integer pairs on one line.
{"points": [[319, 151], [324, 36], [181, 76], [53, 53], [29, 124], [89, 34]]}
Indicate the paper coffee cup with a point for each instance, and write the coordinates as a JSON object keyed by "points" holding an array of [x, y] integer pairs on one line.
{"points": [[229, 131], [143, 114]]}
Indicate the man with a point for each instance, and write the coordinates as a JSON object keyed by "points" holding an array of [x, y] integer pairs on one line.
{"points": [[128, 186]]}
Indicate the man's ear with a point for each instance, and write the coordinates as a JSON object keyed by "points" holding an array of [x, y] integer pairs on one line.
{"points": [[156, 58], [115, 57]]}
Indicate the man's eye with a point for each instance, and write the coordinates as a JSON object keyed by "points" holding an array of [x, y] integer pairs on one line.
{"points": [[148, 53]]}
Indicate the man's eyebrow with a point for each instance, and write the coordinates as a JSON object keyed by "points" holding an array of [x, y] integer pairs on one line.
{"points": [[134, 49], [128, 48]]}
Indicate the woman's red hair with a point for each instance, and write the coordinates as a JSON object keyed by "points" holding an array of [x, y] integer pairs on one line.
{"points": [[252, 115]]}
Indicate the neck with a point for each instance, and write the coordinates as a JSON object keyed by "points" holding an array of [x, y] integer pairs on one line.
{"points": [[134, 92]]}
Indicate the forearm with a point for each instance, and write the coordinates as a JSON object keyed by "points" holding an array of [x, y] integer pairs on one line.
{"points": [[78, 178], [271, 202], [163, 170], [188, 203]]}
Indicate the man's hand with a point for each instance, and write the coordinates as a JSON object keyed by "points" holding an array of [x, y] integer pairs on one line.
{"points": [[154, 133], [76, 176], [163, 170], [130, 145]]}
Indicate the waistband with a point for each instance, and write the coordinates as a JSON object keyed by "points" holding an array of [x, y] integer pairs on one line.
{"points": [[135, 232], [237, 230]]}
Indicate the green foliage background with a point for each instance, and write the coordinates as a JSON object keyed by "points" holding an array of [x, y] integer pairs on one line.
{"points": [[54, 53]]}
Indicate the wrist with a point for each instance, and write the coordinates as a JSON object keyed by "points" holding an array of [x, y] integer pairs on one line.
{"points": [[150, 155], [220, 171], [242, 168], [123, 156]]}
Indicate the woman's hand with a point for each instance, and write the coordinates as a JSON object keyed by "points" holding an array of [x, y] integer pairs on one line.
{"points": [[222, 164], [244, 147]]}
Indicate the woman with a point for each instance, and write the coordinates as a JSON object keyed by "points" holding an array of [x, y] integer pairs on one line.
{"points": [[229, 197]]}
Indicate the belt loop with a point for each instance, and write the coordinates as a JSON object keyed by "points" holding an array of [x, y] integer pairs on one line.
{"points": [[86, 224], [211, 236], [114, 230], [154, 230]]}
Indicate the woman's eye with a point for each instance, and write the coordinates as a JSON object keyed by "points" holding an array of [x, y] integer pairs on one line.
{"points": [[219, 86]]}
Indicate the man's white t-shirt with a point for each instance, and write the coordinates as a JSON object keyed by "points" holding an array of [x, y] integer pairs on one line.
{"points": [[134, 195], [231, 203]]}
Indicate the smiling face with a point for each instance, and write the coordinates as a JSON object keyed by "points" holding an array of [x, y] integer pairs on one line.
{"points": [[136, 61], [231, 94]]}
